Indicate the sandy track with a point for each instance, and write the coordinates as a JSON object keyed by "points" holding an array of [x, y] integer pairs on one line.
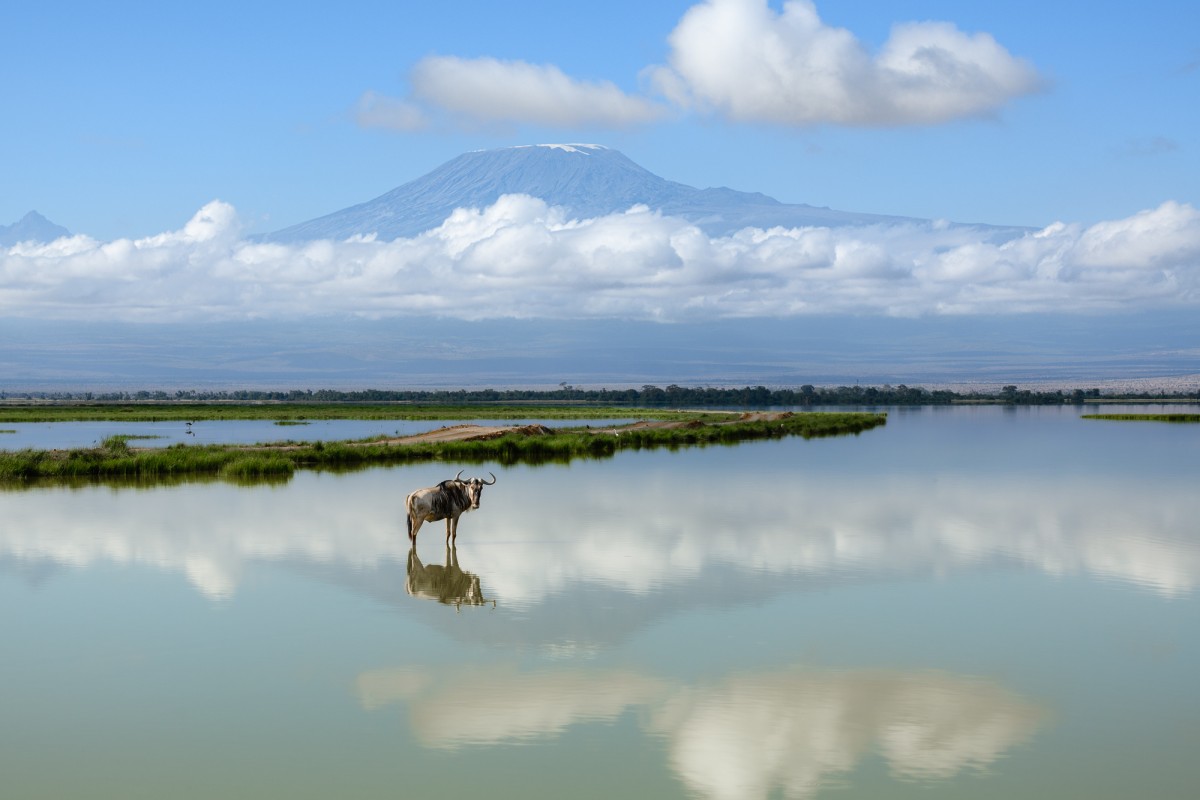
{"points": [[466, 432], [469, 432]]}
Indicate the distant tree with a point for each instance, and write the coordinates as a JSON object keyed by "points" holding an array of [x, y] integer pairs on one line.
{"points": [[653, 394]]}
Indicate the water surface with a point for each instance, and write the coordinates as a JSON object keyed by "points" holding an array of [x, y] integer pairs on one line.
{"points": [[67, 435], [968, 602]]}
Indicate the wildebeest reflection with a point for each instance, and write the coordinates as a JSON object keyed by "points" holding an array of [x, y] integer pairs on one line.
{"points": [[447, 584], [448, 500]]}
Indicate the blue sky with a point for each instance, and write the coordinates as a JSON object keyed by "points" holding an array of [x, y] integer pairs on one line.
{"points": [[123, 119]]}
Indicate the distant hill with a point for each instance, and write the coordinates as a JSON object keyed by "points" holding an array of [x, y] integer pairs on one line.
{"points": [[32, 227], [586, 179]]}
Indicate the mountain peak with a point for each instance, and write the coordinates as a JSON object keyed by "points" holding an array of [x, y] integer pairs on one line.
{"points": [[32, 227], [604, 182]]}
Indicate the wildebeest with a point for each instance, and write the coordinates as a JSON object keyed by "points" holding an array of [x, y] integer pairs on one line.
{"points": [[448, 500]]}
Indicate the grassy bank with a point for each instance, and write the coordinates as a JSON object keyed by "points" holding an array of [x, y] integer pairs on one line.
{"points": [[1146, 417], [115, 459]]}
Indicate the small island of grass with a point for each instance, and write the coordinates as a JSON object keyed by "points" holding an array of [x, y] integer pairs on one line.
{"points": [[461, 444]]}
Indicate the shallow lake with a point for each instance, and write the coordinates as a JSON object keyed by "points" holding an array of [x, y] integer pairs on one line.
{"points": [[66, 435], [968, 602]]}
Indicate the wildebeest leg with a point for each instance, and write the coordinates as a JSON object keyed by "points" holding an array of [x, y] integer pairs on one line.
{"points": [[451, 528], [414, 525]]}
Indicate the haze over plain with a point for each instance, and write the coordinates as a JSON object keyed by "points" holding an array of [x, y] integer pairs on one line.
{"points": [[1080, 127]]}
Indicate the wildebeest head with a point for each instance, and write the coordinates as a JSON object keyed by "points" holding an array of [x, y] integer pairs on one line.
{"points": [[474, 487]]}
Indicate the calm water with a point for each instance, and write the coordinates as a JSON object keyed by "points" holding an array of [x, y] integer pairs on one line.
{"points": [[65, 435], [970, 602]]}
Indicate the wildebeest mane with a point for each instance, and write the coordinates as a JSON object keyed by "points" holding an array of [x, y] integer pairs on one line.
{"points": [[450, 498]]}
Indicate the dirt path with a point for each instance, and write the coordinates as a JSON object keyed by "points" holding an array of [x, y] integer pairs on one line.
{"points": [[469, 432], [464, 432]]}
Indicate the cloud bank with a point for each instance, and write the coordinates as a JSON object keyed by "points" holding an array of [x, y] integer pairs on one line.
{"points": [[520, 258], [742, 61]]}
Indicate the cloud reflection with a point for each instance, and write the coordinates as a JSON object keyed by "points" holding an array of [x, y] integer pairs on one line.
{"points": [[747, 735], [829, 529], [493, 705]]}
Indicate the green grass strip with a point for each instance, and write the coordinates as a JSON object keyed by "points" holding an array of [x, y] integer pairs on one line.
{"points": [[1146, 417], [115, 460]]}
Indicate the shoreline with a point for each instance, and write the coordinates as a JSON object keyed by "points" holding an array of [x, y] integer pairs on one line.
{"points": [[530, 444]]}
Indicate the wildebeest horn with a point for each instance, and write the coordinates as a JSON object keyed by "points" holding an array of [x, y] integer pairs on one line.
{"points": [[493, 480], [459, 475]]}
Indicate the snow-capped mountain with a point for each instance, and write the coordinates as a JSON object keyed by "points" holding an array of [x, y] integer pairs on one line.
{"points": [[32, 227], [587, 180]]}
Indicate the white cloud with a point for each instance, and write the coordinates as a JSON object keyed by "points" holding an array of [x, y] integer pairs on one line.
{"points": [[520, 258], [743, 60], [491, 90], [1151, 240]]}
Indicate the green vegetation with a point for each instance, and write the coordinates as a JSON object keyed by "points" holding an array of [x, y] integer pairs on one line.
{"points": [[292, 422], [646, 396], [1147, 417], [7, 430], [114, 459]]}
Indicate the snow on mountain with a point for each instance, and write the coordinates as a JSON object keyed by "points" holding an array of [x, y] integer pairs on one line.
{"points": [[32, 227], [569, 148], [587, 180]]}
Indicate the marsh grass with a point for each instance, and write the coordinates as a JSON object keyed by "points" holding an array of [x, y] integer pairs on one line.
{"points": [[1146, 417], [114, 459], [257, 467]]}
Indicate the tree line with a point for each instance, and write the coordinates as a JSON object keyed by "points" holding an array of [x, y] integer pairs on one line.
{"points": [[647, 395]]}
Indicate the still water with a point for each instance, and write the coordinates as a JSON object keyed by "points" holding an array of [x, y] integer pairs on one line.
{"points": [[67, 435], [969, 602]]}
